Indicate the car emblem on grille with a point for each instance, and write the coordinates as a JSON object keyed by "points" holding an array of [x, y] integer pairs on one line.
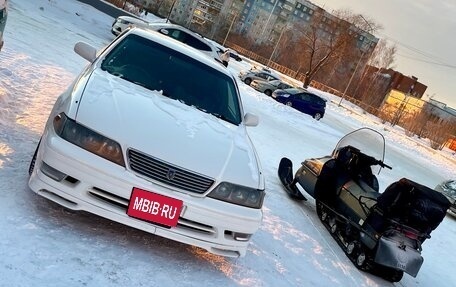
{"points": [[170, 174]]}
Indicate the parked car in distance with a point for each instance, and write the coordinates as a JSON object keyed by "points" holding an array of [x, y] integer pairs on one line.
{"points": [[123, 22], [257, 74], [138, 141], [3, 16], [448, 188], [174, 31], [302, 100], [187, 37], [268, 87], [235, 55]]}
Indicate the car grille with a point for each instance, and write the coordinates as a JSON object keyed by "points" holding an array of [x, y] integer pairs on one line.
{"points": [[122, 203], [164, 172]]}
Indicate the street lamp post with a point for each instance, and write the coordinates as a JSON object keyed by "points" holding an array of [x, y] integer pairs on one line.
{"points": [[269, 18], [357, 64], [277, 44], [229, 29], [351, 78], [170, 10]]}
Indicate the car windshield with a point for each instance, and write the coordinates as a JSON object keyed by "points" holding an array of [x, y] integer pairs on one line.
{"points": [[368, 141], [275, 82], [178, 76]]}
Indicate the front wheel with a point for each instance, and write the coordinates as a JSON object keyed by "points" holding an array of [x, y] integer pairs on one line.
{"points": [[361, 259], [318, 116], [268, 93], [290, 104], [248, 81]]}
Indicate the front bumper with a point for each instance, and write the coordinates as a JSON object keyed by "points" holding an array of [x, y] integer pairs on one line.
{"points": [[100, 187]]}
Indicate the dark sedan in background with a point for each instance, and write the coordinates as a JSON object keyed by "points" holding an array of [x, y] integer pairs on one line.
{"points": [[302, 100]]}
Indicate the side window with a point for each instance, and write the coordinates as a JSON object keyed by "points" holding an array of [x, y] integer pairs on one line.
{"points": [[262, 75], [197, 43], [173, 33], [188, 39], [304, 97]]}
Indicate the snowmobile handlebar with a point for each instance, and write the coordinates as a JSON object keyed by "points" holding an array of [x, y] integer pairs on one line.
{"points": [[382, 164]]}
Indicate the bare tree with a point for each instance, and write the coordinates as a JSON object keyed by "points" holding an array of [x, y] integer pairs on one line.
{"points": [[324, 42], [374, 82]]}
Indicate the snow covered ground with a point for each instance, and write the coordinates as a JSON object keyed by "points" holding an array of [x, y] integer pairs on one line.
{"points": [[43, 244]]}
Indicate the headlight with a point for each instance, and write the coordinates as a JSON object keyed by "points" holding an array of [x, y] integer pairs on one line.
{"points": [[238, 194], [87, 139]]}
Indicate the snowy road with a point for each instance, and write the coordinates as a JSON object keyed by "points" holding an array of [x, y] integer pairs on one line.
{"points": [[43, 244]]}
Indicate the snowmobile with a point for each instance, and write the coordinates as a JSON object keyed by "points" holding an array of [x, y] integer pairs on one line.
{"points": [[381, 233]]}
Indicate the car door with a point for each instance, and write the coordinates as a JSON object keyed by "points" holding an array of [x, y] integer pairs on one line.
{"points": [[263, 76], [301, 102]]}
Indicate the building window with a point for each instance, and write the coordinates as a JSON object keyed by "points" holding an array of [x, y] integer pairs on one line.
{"points": [[311, 11], [298, 6], [302, 14], [287, 7]]}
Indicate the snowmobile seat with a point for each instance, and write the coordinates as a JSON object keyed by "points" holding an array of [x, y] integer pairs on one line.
{"points": [[413, 205], [359, 197]]}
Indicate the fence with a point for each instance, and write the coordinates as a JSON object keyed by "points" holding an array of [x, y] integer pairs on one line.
{"points": [[416, 116]]}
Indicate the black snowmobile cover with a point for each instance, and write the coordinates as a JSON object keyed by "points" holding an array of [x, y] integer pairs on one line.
{"points": [[414, 205]]}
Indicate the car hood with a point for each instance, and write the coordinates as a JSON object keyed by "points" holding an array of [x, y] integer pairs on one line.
{"points": [[167, 129]]}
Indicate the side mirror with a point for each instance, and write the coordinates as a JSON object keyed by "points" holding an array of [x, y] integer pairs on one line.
{"points": [[86, 51], [251, 120]]}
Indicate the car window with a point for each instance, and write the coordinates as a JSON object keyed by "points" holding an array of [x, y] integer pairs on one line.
{"points": [[263, 76], [305, 97], [317, 100], [186, 38], [283, 86], [167, 70]]}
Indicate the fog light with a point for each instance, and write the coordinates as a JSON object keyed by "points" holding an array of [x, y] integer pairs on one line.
{"points": [[52, 172], [241, 236]]}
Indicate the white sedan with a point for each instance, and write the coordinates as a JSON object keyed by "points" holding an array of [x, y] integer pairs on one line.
{"points": [[123, 22], [153, 135]]}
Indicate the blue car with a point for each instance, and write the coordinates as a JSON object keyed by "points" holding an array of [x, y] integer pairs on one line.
{"points": [[302, 100]]}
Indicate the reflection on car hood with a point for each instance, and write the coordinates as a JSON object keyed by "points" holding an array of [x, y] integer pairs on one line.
{"points": [[167, 129]]}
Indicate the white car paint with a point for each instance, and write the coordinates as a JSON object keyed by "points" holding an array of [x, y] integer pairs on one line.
{"points": [[164, 128], [123, 22]]}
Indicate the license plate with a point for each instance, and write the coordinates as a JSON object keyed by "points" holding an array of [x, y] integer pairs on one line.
{"points": [[154, 207]]}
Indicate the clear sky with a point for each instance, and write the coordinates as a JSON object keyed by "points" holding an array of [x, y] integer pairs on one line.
{"points": [[424, 32]]}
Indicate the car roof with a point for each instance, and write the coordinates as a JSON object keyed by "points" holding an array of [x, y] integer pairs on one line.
{"points": [[178, 46], [132, 19]]}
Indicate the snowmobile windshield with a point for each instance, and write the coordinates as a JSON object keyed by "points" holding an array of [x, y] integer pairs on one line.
{"points": [[368, 141]]}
